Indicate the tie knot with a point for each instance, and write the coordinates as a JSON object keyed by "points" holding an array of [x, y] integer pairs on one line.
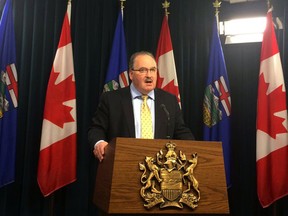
{"points": [[144, 97]]}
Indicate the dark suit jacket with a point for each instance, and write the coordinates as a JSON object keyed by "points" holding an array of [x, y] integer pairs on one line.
{"points": [[114, 117]]}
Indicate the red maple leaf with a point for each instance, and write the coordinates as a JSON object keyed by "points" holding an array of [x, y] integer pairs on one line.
{"points": [[57, 94], [268, 105]]}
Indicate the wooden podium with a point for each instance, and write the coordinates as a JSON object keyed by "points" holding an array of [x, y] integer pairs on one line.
{"points": [[117, 186]]}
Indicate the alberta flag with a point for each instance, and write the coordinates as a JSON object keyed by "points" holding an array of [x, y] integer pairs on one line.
{"points": [[117, 76], [272, 126], [217, 101], [57, 157], [8, 96]]}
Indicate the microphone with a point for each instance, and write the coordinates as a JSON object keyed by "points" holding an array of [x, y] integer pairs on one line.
{"points": [[168, 118]]}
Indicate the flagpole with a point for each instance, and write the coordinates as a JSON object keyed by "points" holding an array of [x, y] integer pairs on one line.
{"points": [[117, 71], [274, 204], [284, 33], [167, 78], [51, 201], [52, 196], [122, 7], [217, 5], [166, 5]]}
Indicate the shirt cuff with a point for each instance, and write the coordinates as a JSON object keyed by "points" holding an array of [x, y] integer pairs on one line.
{"points": [[98, 143]]}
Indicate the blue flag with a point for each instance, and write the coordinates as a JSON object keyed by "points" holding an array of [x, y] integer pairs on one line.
{"points": [[217, 101], [8, 96], [117, 76]]}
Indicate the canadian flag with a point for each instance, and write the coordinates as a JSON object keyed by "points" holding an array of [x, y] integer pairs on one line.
{"points": [[167, 77], [57, 159], [272, 135]]}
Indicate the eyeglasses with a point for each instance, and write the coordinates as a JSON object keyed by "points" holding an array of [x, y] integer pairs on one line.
{"points": [[143, 70]]}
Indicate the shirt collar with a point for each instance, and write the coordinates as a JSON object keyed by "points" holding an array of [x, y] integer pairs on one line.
{"points": [[136, 94]]}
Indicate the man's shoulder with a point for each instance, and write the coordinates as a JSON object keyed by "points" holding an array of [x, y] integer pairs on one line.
{"points": [[163, 93]]}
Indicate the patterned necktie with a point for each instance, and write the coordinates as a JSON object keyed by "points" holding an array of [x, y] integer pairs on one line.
{"points": [[146, 120]]}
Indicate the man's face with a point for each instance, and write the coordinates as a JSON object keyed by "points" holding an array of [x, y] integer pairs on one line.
{"points": [[144, 73]]}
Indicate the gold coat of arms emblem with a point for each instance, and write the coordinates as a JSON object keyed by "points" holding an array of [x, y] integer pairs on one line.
{"points": [[168, 179]]}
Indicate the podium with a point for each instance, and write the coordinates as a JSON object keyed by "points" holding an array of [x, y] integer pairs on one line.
{"points": [[117, 185]]}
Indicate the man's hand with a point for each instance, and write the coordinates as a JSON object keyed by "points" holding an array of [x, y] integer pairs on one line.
{"points": [[99, 150]]}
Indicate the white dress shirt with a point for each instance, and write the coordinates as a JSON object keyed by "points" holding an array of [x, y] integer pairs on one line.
{"points": [[137, 102]]}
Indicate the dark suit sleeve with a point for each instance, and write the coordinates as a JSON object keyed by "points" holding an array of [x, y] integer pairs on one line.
{"points": [[113, 117], [99, 127], [174, 127], [181, 130]]}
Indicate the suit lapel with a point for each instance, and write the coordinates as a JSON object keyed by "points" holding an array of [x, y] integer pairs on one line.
{"points": [[160, 117], [126, 103]]}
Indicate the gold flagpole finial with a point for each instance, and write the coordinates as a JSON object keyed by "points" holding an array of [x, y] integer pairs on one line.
{"points": [[217, 5], [166, 5], [122, 4]]}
